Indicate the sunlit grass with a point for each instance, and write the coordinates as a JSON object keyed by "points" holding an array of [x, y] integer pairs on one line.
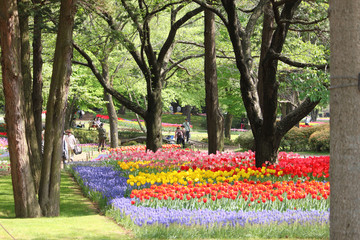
{"points": [[78, 218]]}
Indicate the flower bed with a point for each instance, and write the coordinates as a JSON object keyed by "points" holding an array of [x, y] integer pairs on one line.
{"points": [[172, 188], [133, 123]]}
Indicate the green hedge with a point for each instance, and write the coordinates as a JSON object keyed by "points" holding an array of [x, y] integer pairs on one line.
{"points": [[315, 138], [246, 140], [320, 140], [130, 134], [85, 136]]}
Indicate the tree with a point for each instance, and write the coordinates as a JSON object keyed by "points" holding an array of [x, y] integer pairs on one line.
{"points": [[214, 119], [154, 62], [14, 46], [260, 93], [345, 120], [49, 194]]}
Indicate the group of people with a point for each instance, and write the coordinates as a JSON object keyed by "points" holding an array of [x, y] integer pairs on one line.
{"points": [[182, 134]]}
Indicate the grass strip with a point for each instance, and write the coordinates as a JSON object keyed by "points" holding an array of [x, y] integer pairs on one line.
{"points": [[78, 219]]}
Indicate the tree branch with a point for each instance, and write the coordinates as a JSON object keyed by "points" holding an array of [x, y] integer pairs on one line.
{"points": [[133, 17], [164, 7], [80, 63], [295, 116], [128, 45], [171, 36], [302, 22], [123, 100], [299, 64], [308, 30], [211, 8], [180, 61]]}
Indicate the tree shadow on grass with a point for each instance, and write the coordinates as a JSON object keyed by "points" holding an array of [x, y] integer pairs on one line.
{"points": [[72, 201]]}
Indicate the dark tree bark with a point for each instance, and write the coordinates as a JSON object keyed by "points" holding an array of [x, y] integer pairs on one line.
{"points": [[314, 115], [228, 122], [214, 119], [187, 112], [71, 109], [267, 33], [34, 148], [113, 119], [122, 110], [49, 194], [37, 99], [26, 204]]}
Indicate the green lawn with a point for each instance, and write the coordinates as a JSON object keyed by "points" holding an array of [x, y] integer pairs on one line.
{"points": [[78, 219]]}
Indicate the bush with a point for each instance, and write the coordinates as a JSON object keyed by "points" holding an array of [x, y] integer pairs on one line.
{"points": [[229, 142], [86, 136], [315, 138], [130, 143], [246, 140], [319, 141], [297, 139], [130, 134]]}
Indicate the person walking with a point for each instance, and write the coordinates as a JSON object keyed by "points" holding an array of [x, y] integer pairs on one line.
{"points": [[186, 124], [65, 151], [102, 137], [71, 143], [179, 136]]}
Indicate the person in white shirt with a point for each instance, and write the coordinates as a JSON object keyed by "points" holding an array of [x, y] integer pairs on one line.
{"points": [[71, 142]]}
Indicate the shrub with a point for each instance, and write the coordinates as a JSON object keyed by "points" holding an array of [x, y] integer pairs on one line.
{"points": [[319, 141], [86, 136], [229, 142], [246, 140], [130, 134], [297, 139], [130, 143]]}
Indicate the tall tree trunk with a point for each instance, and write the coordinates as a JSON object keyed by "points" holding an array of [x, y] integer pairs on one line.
{"points": [[113, 119], [34, 148], [314, 115], [345, 120], [228, 123], [137, 115], [215, 121], [122, 110], [49, 194], [187, 112], [37, 71], [266, 149], [71, 109], [26, 204], [153, 120]]}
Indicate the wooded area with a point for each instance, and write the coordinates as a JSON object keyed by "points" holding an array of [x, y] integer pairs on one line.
{"points": [[233, 58]]}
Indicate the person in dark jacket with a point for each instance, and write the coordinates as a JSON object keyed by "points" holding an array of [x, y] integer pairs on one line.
{"points": [[102, 137]]}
